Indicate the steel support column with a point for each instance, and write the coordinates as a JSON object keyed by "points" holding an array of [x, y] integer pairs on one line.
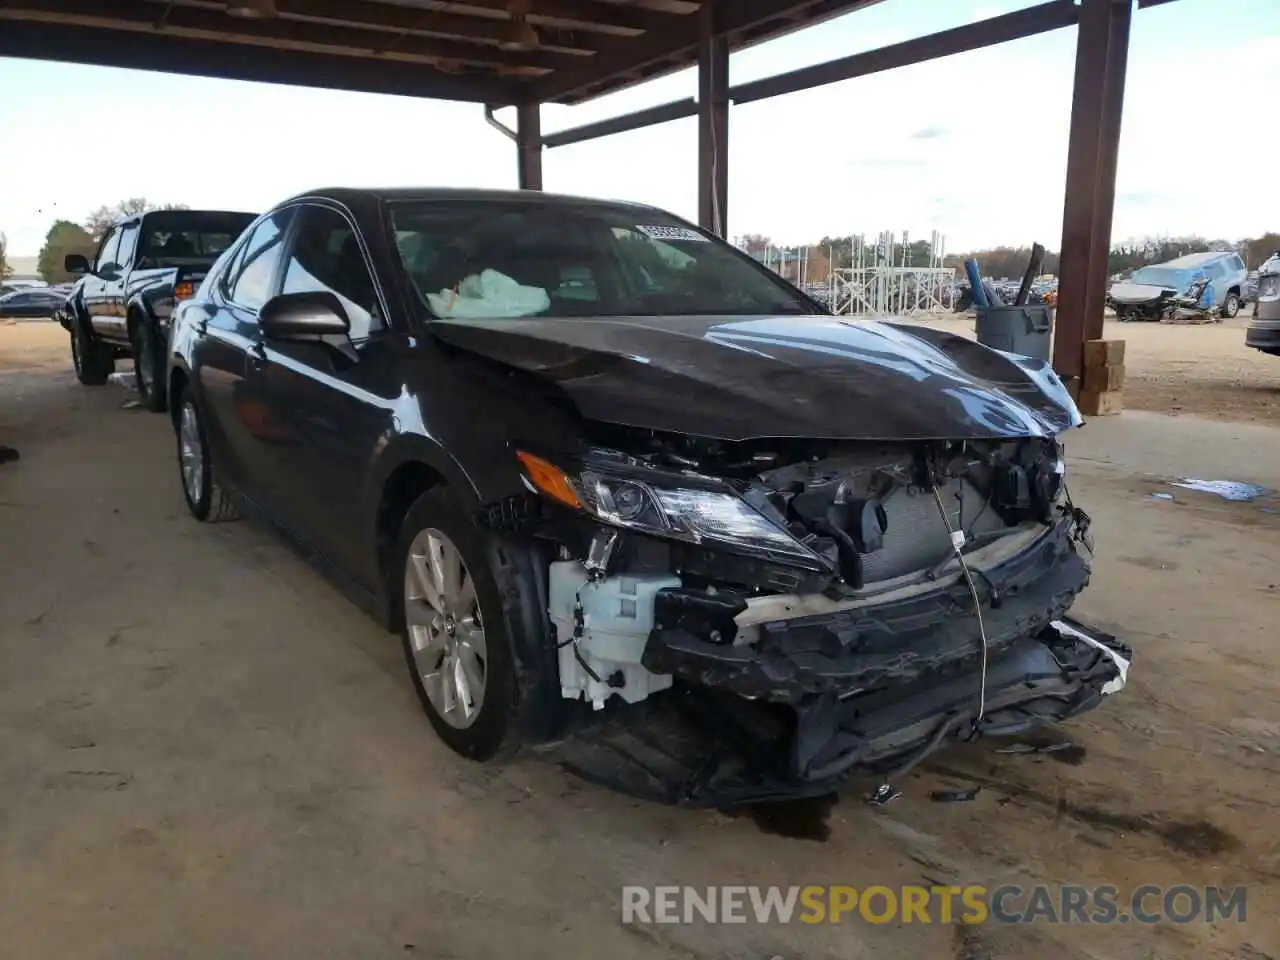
{"points": [[529, 145], [713, 123], [1102, 52]]}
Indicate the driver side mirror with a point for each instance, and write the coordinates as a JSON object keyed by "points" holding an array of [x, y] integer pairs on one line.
{"points": [[76, 264], [307, 315]]}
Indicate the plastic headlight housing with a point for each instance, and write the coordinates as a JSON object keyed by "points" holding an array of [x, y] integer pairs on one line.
{"points": [[661, 505], [688, 514]]}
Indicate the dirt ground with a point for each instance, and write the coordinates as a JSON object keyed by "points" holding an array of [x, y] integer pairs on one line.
{"points": [[1202, 370], [205, 751]]}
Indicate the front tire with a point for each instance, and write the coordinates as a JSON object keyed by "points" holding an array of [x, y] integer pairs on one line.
{"points": [[456, 633], [93, 360], [207, 500], [148, 366]]}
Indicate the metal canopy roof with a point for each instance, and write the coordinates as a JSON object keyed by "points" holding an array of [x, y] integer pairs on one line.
{"points": [[494, 51]]}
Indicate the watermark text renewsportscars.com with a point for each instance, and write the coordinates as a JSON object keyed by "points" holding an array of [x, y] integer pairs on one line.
{"points": [[972, 904]]}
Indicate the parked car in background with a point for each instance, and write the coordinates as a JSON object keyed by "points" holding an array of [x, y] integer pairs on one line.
{"points": [[13, 286], [121, 305], [1215, 280], [584, 454], [31, 302], [1263, 332]]}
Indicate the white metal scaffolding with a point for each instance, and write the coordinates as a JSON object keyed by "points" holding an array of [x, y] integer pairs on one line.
{"points": [[884, 282]]}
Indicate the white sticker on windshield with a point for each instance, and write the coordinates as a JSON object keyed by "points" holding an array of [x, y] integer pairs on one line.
{"points": [[671, 233]]}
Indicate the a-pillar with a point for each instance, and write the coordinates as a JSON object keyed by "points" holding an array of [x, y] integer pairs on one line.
{"points": [[529, 145], [713, 123], [1102, 51]]}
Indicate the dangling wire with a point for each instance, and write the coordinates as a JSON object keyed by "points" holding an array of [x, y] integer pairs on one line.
{"points": [[957, 544]]}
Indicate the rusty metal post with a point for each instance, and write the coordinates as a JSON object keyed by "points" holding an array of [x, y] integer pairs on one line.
{"points": [[1102, 52], [529, 145], [713, 123]]}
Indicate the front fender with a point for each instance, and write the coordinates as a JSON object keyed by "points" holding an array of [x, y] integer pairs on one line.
{"points": [[406, 449], [400, 451], [412, 448], [73, 312]]}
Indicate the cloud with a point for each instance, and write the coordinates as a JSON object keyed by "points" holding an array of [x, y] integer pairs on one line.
{"points": [[1143, 198], [879, 162], [934, 132]]}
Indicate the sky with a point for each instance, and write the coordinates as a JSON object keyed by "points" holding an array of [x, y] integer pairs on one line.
{"points": [[896, 151]]}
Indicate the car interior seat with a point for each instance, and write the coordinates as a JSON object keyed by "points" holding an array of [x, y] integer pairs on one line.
{"points": [[177, 245]]}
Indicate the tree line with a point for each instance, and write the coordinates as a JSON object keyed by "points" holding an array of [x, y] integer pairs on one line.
{"points": [[999, 262], [66, 236]]}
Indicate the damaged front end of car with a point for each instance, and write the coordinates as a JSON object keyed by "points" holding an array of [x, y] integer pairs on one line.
{"points": [[783, 615]]}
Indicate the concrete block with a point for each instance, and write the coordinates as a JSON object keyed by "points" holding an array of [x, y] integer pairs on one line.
{"points": [[1103, 353], [1104, 379], [1100, 403]]}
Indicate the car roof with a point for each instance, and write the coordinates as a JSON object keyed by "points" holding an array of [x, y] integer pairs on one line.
{"points": [[1197, 259], [358, 197], [148, 213]]}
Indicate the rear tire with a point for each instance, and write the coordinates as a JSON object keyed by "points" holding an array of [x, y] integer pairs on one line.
{"points": [[93, 360], [207, 500], [1231, 306], [148, 365]]}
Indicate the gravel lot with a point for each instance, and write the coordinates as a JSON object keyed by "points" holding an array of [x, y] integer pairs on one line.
{"points": [[206, 752], [1200, 369]]}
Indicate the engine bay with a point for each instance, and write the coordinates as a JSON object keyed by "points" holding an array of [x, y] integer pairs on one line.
{"points": [[885, 535], [870, 512]]}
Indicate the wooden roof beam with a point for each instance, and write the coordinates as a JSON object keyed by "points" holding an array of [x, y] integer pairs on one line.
{"points": [[208, 58], [594, 15], [743, 21], [489, 26], [201, 23]]}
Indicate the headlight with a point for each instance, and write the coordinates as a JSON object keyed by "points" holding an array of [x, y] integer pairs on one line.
{"points": [[1269, 286], [667, 505]]}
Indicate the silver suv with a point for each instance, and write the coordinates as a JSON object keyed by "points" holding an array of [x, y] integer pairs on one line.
{"points": [[1263, 332]]}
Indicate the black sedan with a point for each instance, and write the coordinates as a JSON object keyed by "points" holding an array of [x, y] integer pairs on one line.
{"points": [[583, 455], [31, 303]]}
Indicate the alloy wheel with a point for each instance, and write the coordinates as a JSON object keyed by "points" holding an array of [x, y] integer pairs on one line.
{"points": [[446, 632], [191, 453]]}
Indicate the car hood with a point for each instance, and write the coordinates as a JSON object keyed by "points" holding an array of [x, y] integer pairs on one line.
{"points": [[793, 376], [1125, 292]]}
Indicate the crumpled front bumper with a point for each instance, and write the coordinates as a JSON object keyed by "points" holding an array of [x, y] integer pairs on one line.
{"points": [[704, 748], [869, 644], [1064, 670], [778, 707]]}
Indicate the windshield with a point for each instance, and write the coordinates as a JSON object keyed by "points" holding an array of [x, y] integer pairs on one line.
{"points": [[520, 258], [1162, 277], [184, 238]]}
